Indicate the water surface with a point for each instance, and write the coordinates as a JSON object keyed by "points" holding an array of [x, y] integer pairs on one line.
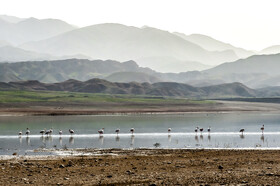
{"points": [[149, 130]]}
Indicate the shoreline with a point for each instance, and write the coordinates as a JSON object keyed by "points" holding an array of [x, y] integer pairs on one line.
{"points": [[39, 109], [87, 152], [146, 167]]}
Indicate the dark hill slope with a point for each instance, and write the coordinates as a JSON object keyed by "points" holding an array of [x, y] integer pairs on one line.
{"points": [[62, 70], [158, 89]]}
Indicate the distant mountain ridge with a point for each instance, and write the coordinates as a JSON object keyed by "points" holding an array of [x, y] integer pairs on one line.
{"points": [[265, 73], [122, 43], [157, 89], [32, 29], [208, 43], [61, 70]]}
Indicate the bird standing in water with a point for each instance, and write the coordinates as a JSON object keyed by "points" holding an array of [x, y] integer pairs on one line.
{"points": [[132, 130], [262, 128], [71, 131], [117, 131], [101, 131], [27, 131], [169, 130]]}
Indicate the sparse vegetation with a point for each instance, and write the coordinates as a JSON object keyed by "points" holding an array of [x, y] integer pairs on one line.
{"points": [[49, 96]]}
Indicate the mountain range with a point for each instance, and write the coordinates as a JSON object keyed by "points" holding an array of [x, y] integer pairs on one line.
{"points": [[52, 51], [31, 29], [256, 72], [156, 89], [149, 47]]}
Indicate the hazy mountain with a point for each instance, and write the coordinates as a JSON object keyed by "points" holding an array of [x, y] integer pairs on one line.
{"points": [[126, 77], [61, 70], [256, 71], [271, 50], [171, 64], [32, 29], [267, 64], [12, 54], [157, 89], [211, 44], [122, 43], [11, 19]]}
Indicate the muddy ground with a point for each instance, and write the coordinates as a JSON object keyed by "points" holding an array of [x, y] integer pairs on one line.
{"points": [[72, 108], [147, 167]]}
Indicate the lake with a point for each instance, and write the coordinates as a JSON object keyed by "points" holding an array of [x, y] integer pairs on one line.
{"points": [[149, 130]]}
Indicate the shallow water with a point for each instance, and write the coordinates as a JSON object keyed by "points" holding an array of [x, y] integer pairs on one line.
{"points": [[149, 130]]}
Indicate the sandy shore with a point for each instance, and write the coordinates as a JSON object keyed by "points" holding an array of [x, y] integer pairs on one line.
{"points": [[147, 167], [53, 109]]}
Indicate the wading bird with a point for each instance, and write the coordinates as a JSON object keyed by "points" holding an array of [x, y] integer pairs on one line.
{"points": [[48, 132], [201, 130], [242, 130], [262, 128], [101, 131], [132, 130], [196, 129], [51, 130], [20, 133], [209, 129], [169, 130], [42, 131], [60, 132], [117, 131], [27, 131], [71, 131]]}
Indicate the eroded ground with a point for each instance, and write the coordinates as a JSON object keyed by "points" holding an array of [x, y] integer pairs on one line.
{"points": [[147, 167]]}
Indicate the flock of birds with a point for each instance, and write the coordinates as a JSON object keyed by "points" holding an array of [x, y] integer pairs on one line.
{"points": [[71, 131], [132, 130]]}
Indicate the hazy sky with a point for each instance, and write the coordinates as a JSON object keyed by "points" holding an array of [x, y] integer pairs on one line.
{"points": [[252, 24]]}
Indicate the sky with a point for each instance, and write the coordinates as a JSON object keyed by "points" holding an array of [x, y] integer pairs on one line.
{"points": [[250, 24]]}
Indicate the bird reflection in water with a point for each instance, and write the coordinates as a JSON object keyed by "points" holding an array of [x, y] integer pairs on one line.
{"points": [[242, 136], [196, 138], [42, 139], [209, 137], [71, 140], [101, 139], [169, 138], [132, 140], [117, 138], [48, 139], [28, 140], [20, 140], [60, 140], [262, 138], [201, 137]]}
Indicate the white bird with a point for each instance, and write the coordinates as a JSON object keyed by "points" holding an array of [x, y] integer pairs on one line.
{"points": [[262, 128], [101, 131], [20, 133], [242, 130], [48, 132], [196, 129], [117, 131], [132, 130], [60, 132], [169, 130], [209, 129], [27, 131], [201, 130], [71, 131], [43, 131], [51, 130]]}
